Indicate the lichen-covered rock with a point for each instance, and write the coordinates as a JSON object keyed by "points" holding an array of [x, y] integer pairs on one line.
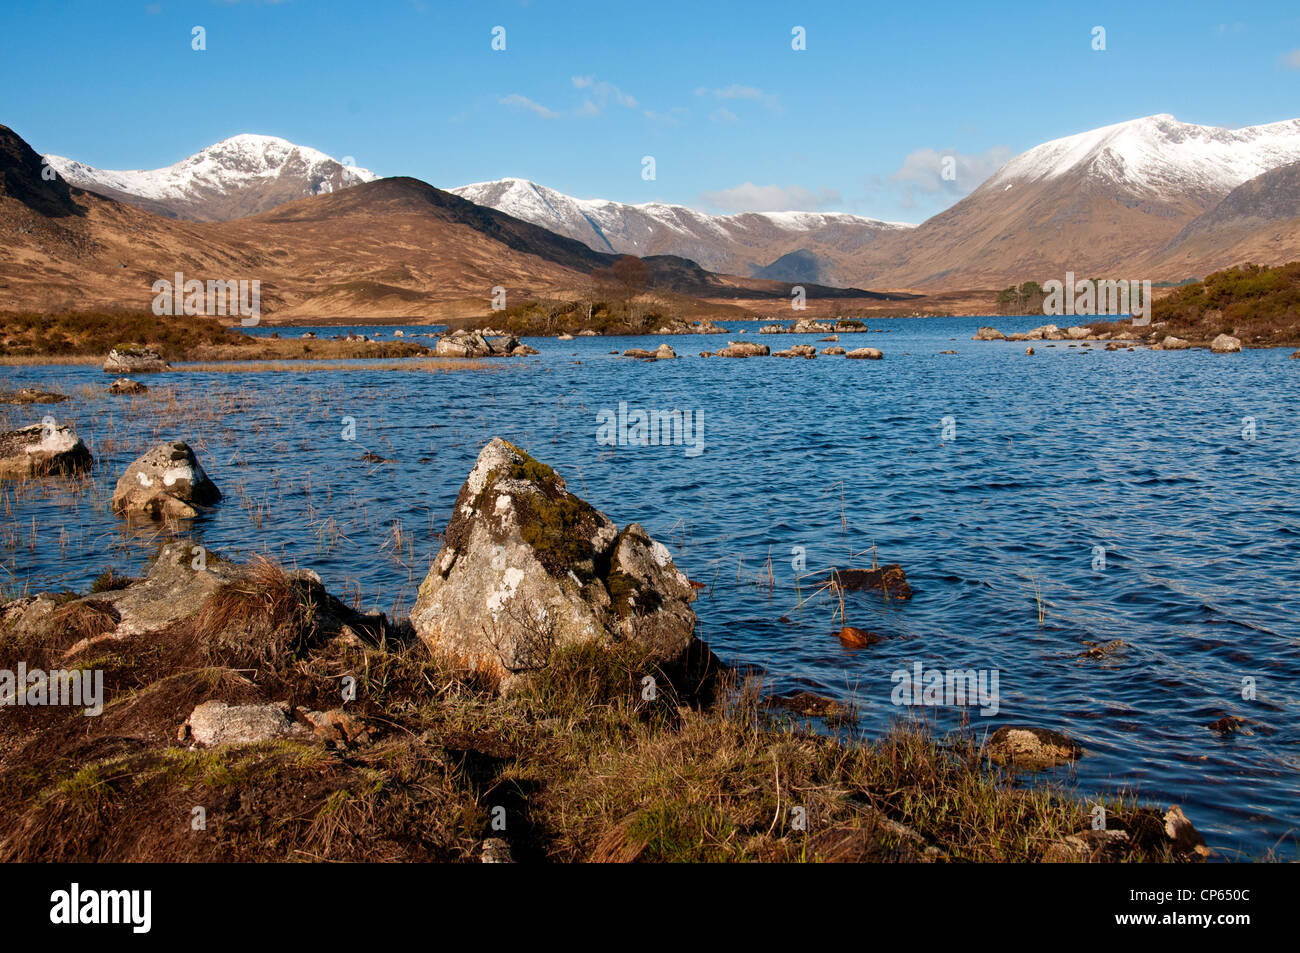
{"points": [[134, 359], [1226, 344], [218, 723], [124, 385], [1171, 343], [1034, 748], [42, 450], [797, 350], [664, 352], [834, 350], [167, 482], [527, 567], [989, 334], [744, 349], [864, 354]]}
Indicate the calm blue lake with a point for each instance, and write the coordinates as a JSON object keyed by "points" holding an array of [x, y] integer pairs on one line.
{"points": [[1149, 456]]}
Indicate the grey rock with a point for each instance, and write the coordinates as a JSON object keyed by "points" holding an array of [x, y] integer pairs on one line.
{"points": [[166, 482], [42, 450]]}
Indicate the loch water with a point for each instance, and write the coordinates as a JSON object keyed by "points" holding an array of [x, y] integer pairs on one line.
{"points": [[1147, 497]]}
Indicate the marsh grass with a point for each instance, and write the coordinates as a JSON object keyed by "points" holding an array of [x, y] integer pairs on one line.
{"points": [[586, 765]]}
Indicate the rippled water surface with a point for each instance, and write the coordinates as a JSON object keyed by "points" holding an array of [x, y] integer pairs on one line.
{"points": [[1140, 453]]}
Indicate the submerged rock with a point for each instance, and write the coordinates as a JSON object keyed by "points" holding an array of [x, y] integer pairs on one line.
{"points": [[527, 567], [890, 580], [42, 450], [124, 385], [166, 481], [31, 395], [134, 359], [854, 638], [1033, 748]]}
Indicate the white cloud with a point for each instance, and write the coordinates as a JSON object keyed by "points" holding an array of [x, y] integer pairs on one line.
{"points": [[523, 102], [602, 93], [736, 91], [723, 114], [771, 198], [673, 117], [923, 171]]}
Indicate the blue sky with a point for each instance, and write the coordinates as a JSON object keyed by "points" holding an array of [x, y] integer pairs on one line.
{"points": [[734, 118]]}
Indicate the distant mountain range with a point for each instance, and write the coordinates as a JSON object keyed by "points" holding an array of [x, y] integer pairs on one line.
{"points": [[390, 248], [239, 176], [757, 244], [1151, 198]]}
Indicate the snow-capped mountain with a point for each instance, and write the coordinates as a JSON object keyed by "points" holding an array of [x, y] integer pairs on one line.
{"points": [[749, 243], [1160, 155], [238, 176], [1103, 203]]}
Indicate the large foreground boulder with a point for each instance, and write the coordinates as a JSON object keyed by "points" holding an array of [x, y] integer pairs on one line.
{"points": [[527, 567], [128, 359], [1226, 344], [42, 450], [167, 482]]}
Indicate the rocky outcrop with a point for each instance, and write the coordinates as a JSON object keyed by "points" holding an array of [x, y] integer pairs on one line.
{"points": [[808, 326], [798, 350], [527, 567], [166, 482], [134, 359], [744, 349], [124, 385], [677, 326], [477, 344], [1171, 343], [1226, 344], [989, 334], [864, 354], [1143, 830], [834, 350], [664, 352], [42, 450], [1020, 746]]}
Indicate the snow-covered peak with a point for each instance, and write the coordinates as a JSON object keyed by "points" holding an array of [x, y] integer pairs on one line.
{"points": [[223, 168], [544, 206], [1160, 155]]}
